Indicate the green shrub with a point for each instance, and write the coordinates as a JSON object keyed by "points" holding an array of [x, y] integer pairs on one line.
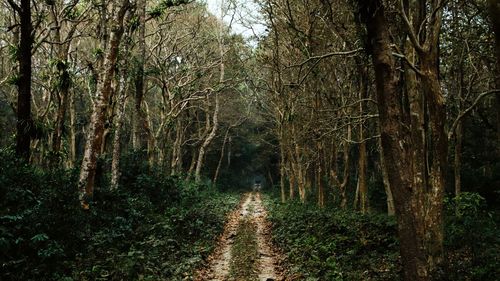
{"points": [[152, 227], [40, 219], [472, 238], [328, 244]]}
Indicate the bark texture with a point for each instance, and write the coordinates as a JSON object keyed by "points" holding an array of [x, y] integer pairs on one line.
{"points": [[24, 127], [143, 137], [96, 129], [415, 168]]}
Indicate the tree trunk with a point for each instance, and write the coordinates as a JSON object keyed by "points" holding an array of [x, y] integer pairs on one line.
{"points": [[458, 158], [362, 161], [61, 112], [115, 163], [291, 176], [391, 211], [282, 165], [319, 175], [342, 186], [96, 129], [63, 93], [176, 161], [219, 164], [72, 132], [363, 189], [208, 140], [299, 168], [432, 207], [418, 205], [122, 90], [494, 10], [215, 119], [24, 122], [142, 132], [192, 165]]}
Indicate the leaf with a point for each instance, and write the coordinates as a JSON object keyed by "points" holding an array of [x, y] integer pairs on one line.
{"points": [[40, 237]]}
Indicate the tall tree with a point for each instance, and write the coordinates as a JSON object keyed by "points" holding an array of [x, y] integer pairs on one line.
{"points": [[24, 127], [215, 118], [142, 137], [415, 166], [494, 10], [96, 130], [63, 31]]}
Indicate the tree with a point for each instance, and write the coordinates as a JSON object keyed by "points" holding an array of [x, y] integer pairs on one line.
{"points": [[494, 10], [417, 184], [142, 132], [24, 121], [96, 130]]}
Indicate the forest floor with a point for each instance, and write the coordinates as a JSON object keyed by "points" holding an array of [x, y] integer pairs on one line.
{"points": [[244, 250]]}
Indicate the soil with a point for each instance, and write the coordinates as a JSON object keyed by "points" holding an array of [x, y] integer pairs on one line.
{"points": [[268, 264]]}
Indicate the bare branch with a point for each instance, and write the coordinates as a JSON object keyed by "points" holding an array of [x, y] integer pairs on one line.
{"points": [[324, 56], [410, 64], [411, 32], [15, 6], [459, 118]]}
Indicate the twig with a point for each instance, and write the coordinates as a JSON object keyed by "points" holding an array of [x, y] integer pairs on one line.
{"points": [[320, 57], [451, 132]]}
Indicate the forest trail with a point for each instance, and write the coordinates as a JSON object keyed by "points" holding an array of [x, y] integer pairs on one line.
{"points": [[244, 251]]}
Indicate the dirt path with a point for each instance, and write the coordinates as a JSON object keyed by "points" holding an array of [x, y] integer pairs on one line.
{"points": [[221, 262]]}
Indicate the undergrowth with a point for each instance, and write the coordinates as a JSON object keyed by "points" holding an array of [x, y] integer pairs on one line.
{"points": [[153, 227], [472, 239], [327, 244], [331, 244]]}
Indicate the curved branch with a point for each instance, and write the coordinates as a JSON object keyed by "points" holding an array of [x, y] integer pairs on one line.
{"points": [[324, 56], [459, 118], [411, 32]]}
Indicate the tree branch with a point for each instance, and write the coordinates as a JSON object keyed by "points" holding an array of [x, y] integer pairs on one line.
{"points": [[324, 56], [15, 6], [410, 64], [411, 32], [459, 118]]}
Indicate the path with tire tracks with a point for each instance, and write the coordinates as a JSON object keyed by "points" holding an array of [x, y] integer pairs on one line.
{"points": [[266, 266]]}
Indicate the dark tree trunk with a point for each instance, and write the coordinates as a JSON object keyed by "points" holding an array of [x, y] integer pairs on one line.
{"points": [[142, 133], [494, 9], [24, 122]]}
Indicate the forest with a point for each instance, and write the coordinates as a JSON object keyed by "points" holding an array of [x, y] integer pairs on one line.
{"points": [[245, 140]]}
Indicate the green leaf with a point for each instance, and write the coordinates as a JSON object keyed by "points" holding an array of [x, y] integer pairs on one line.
{"points": [[40, 237]]}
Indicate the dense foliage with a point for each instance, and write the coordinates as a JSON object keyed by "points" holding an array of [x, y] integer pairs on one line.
{"points": [[331, 244], [328, 244], [153, 227], [472, 238]]}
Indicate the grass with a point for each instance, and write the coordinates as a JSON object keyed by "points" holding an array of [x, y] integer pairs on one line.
{"points": [[244, 252]]}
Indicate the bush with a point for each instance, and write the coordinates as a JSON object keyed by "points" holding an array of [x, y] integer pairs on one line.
{"points": [[471, 238], [40, 218], [328, 244], [153, 227]]}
